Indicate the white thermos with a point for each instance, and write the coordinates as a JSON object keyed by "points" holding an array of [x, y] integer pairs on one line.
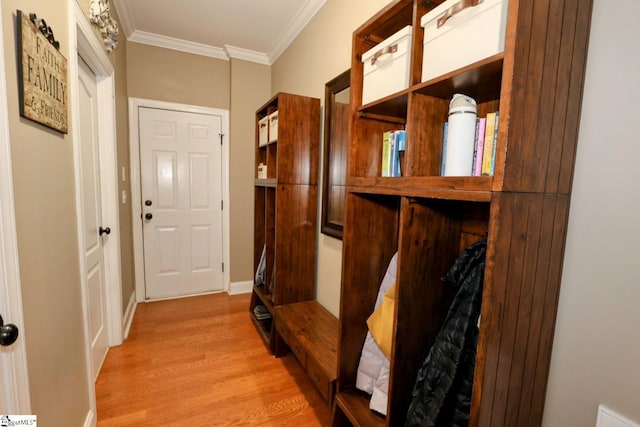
{"points": [[461, 135]]}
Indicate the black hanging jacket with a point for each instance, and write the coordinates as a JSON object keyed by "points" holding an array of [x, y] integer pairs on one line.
{"points": [[442, 392]]}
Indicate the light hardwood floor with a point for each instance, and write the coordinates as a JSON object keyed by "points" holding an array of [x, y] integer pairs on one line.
{"points": [[199, 361]]}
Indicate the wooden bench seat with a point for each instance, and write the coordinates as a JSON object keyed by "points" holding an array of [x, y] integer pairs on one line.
{"points": [[311, 333]]}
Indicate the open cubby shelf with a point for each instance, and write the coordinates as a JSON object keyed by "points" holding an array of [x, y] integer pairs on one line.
{"points": [[428, 219], [285, 204]]}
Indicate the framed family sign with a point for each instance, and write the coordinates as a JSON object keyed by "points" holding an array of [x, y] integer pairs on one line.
{"points": [[42, 74]]}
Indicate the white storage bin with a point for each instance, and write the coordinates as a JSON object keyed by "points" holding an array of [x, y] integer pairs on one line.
{"points": [[455, 35], [386, 66], [263, 131], [273, 126], [262, 171]]}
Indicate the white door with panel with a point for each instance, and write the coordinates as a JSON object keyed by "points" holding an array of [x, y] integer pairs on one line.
{"points": [[181, 180], [96, 234]]}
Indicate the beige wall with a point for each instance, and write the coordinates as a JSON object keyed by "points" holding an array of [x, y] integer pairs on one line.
{"points": [[118, 59], [597, 342], [43, 173], [238, 86], [172, 76], [321, 52], [250, 89]]}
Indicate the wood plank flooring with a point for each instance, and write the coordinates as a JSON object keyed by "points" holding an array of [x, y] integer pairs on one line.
{"points": [[199, 361]]}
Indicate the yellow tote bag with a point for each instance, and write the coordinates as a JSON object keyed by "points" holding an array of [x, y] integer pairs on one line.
{"points": [[380, 323]]}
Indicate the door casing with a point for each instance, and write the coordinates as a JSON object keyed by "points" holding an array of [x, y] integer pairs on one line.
{"points": [[136, 196], [87, 46]]}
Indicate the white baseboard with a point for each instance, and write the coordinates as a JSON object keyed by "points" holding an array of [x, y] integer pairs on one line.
{"points": [[238, 288], [91, 420], [608, 418], [128, 315]]}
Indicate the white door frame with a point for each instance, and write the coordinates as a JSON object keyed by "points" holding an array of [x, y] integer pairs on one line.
{"points": [[136, 197], [86, 45], [14, 387]]}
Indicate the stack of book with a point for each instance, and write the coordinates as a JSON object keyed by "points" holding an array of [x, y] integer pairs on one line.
{"points": [[260, 312], [484, 147], [394, 144]]}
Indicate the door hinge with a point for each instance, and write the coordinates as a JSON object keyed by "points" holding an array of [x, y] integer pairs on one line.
{"points": [[223, 267], [221, 137], [222, 204]]}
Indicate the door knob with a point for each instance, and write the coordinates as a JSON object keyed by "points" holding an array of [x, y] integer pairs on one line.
{"points": [[147, 203], [148, 216], [8, 333], [104, 230]]}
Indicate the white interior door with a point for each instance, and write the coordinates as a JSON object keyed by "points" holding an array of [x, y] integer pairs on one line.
{"points": [[181, 186], [96, 233]]}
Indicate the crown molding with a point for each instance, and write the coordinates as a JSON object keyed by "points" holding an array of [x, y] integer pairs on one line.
{"points": [[297, 24], [125, 17], [247, 55], [177, 44]]}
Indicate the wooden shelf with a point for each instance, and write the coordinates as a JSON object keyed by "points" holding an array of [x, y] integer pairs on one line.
{"points": [[465, 80], [266, 183], [392, 108], [285, 205], [265, 298], [355, 406], [387, 22], [427, 219], [476, 189], [264, 328]]}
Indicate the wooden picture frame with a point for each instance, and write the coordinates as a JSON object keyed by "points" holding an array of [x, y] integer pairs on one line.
{"points": [[42, 74], [337, 110]]}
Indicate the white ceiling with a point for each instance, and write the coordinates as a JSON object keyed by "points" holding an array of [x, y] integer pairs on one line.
{"points": [[253, 30]]}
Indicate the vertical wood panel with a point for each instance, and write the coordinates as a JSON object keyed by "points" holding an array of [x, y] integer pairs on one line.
{"points": [[519, 413], [368, 163], [298, 139], [493, 301], [519, 305], [561, 96], [550, 308], [429, 242], [524, 311], [572, 123], [426, 117], [528, 171], [549, 62], [295, 243], [259, 216], [546, 100], [520, 172], [271, 234], [514, 278], [516, 66]]}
